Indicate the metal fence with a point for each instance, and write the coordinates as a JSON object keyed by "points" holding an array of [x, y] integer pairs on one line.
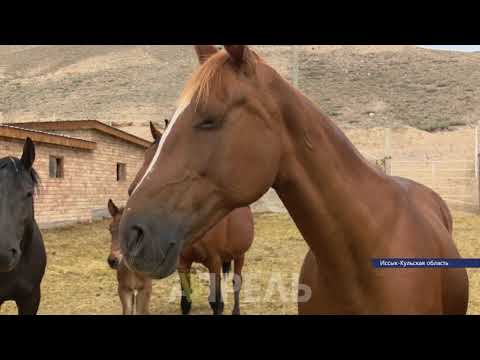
{"points": [[454, 178]]}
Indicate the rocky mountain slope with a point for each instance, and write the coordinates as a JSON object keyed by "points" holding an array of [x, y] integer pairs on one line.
{"points": [[359, 86]]}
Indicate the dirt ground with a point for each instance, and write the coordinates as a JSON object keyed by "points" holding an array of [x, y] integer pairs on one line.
{"points": [[78, 280]]}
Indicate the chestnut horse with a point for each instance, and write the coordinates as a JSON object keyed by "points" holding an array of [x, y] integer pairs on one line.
{"points": [[240, 129], [227, 241], [134, 289]]}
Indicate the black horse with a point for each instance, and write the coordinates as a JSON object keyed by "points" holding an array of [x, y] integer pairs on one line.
{"points": [[22, 253]]}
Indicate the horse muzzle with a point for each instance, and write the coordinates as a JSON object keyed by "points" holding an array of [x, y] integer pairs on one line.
{"points": [[150, 246]]}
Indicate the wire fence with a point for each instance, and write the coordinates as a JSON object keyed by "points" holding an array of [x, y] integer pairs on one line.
{"points": [[453, 177], [454, 180]]}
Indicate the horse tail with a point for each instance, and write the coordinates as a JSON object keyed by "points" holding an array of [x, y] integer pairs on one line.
{"points": [[226, 267]]}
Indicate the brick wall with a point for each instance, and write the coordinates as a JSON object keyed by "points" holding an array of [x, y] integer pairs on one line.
{"points": [[89, 177], [103, 179]]}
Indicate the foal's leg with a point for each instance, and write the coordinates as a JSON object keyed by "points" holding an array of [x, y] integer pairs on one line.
{"points": [[29, 305], [127, 299], [215, 298], [237, 283], [185, 284], [143, 298]]}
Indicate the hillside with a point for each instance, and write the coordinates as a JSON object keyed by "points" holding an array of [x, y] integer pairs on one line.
{"points": [[359, 86]]}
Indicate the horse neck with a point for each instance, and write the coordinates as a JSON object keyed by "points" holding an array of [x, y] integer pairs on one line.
{"points": [[326, 185], [28, 234], [29, 230]]}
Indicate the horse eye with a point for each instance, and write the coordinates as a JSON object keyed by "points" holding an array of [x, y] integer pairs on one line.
{"points": [[207, 124], [29, 194]]}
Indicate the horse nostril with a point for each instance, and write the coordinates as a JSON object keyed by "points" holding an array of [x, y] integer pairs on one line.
{"points": [[14, 253], [140, 233], [112, 262], [136, 237]]}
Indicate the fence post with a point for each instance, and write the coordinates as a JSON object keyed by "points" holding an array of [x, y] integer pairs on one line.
{"points": [[477, 161], [295, 66], [433, 174], [388, 152]]}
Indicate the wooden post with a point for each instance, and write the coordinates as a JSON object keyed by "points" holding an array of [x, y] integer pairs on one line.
{"points": [[475, 150], [477, 162], [295, 65], [433, 175], [388, 152]]}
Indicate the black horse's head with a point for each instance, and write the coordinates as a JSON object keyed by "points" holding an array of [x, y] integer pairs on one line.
{"points": [[18, 181]]}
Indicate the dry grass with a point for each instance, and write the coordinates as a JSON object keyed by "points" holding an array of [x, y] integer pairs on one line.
{"points": [[78, 280], [467, 237]]}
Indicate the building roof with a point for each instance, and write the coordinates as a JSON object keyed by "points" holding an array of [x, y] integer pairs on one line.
{"points": [[85, 125], [19, 133]]}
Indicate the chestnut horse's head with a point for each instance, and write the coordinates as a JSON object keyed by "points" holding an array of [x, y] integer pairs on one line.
{"points": [[220, 151]]}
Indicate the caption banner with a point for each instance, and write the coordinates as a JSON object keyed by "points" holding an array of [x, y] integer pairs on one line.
{"points": [[426, 263]]}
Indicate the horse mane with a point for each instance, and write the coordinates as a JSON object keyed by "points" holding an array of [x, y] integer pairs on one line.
{"points": [[207, 78], [35, 178], [16, 165]]}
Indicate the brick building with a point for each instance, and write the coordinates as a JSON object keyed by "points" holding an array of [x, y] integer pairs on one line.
{"points": [[81, 165]]}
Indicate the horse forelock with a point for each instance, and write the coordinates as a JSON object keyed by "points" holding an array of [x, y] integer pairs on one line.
{"points": [[9, 160], [209, 78], [205, 80], [16, 165]]}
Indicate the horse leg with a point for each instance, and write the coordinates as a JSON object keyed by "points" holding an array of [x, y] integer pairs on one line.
{"points": [[186, 285], [215, 298], [29, 305], [143, 298], [144, 293], [183, 269], [127, 298], [237, 283]]}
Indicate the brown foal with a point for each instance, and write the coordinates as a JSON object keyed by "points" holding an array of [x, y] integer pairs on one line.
{"points": [[134, 288]]}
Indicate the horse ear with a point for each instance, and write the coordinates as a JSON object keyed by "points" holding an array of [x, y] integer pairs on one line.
{"points": [[155, 133], [204, 52], [28, 155], [237, 53], [112, 208]]}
